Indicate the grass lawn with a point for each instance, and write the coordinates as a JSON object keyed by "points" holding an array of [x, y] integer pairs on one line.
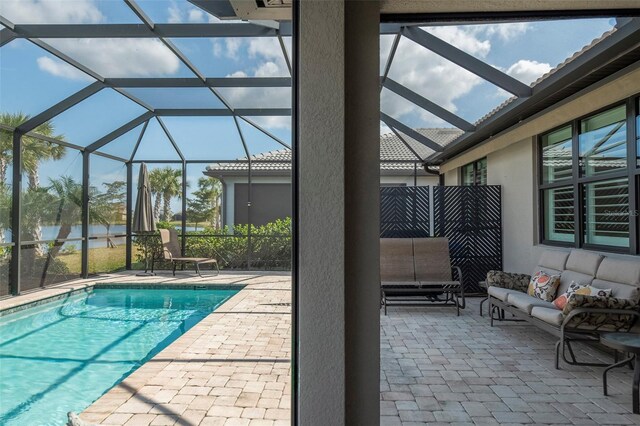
{"points": [[101, 259]]}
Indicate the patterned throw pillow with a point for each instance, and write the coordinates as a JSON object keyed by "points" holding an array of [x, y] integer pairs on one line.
{"points": [[544, 286], [575, 288]]}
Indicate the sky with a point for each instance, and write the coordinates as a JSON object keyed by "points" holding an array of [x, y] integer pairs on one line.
{"points": [[32, 80]]}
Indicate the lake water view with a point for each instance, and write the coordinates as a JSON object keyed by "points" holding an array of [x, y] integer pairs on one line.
{"points": [[51, 232]]}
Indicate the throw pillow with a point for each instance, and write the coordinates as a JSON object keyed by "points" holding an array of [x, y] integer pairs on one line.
{"points": [[544, 286], [584, 289]]}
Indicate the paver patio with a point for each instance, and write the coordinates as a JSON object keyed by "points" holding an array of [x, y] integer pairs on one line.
{"points": [[233, 368], [441, 369]]}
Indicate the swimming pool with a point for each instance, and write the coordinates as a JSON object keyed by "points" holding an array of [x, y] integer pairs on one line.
{"points": [[62, 356]]}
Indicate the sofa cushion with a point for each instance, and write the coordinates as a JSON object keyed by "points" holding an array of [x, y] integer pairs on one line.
{"points": [[543, 286], [549, 315], [601, 321], [574, 288], [525, 302], [508, 280], [501, 293], [622, 276], [555, 260], [621, 291], [567, 277], [585, 262]]}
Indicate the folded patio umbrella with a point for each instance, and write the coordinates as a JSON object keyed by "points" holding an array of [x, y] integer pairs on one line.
{"points": [[143, 222], [143, 213]]}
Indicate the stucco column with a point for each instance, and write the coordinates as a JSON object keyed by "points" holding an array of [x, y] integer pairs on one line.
{"points": [[338, 211]]}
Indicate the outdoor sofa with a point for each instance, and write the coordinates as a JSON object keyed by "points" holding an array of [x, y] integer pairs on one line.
{"points": [[418, 271], [584, 316]]}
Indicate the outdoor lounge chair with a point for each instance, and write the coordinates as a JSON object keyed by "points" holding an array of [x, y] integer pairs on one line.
{"points": [[418, 271], [171, 252]]}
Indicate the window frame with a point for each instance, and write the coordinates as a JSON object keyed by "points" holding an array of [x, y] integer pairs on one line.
{"points": [[578, 182], [476, 172]]}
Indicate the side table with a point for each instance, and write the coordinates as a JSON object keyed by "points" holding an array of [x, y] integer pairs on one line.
{"points": [[629, 343]]}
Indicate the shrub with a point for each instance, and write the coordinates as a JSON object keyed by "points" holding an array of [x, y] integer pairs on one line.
{"points": [[270, 246]]}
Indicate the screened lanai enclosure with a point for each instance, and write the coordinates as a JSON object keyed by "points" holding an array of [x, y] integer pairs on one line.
{"points": [[92, 89], [86, 118]]}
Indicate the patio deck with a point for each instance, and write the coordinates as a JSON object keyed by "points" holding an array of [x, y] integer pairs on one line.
{"points": [[233, 368], [441, 369]]}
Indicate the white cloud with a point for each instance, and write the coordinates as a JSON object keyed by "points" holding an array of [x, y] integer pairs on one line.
{"points": [[228, 47], [528, 71], [270, 63], [51, 11], [179, 13], [121, 57], [61, 69], [432, 76], [507, 32], [195, 15], [463, 38], [175, 14]]}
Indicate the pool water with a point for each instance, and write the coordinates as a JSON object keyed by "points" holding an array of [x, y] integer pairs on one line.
{"points": [[62, 356]]}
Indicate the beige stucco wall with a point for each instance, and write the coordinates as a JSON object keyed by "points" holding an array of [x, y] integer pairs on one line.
{"points": [[512, 168], [452, 177], [511, 164]]}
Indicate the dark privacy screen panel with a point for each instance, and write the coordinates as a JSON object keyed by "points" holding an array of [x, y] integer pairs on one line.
{"points": [[469, 216], [404, 212]]}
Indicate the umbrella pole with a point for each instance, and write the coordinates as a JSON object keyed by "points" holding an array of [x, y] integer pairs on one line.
{"points": [[146, 260]]}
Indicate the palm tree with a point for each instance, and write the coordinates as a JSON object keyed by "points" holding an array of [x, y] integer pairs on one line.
{"points": [[68, 212], [172, 188], [34, 152], [156, 180]]}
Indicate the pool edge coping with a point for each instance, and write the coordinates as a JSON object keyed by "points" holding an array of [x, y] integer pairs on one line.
{"points": [[89, 287]]}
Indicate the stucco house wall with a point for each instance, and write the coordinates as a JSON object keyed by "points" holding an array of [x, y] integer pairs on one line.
{"points": [[511, 163]]}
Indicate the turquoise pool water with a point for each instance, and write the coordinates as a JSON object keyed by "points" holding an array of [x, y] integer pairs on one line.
{"points": [[63, 355]]}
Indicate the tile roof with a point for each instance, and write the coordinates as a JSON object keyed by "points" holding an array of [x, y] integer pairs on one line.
{"points": [[394, 154], [548, 74]]}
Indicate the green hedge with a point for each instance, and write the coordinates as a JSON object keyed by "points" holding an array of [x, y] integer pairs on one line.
{"points": [[270, 246]]}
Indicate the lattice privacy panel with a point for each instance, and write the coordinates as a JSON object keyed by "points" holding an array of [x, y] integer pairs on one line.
{"points": [[470, 216], [404, 212]]}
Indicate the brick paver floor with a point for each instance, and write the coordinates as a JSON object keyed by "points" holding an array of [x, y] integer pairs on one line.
{"points": [[232, 368], [437, 368]]}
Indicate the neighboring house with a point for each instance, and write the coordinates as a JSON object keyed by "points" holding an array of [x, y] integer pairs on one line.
{"points": [[567, 158], [401, 164]]}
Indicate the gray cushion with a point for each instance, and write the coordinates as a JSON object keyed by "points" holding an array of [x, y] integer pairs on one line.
{"points": [[619, 271], [621, 291], [551, 316], [621, 276], [525, 302], [585, 262], [501, 293], [568, 276], [553, 259]]}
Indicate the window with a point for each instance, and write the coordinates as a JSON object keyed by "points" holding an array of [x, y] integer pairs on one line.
{"points": [[587, 183], [603, 142], [556, 155], [606, 213], [475, 173], [558, 214]]}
